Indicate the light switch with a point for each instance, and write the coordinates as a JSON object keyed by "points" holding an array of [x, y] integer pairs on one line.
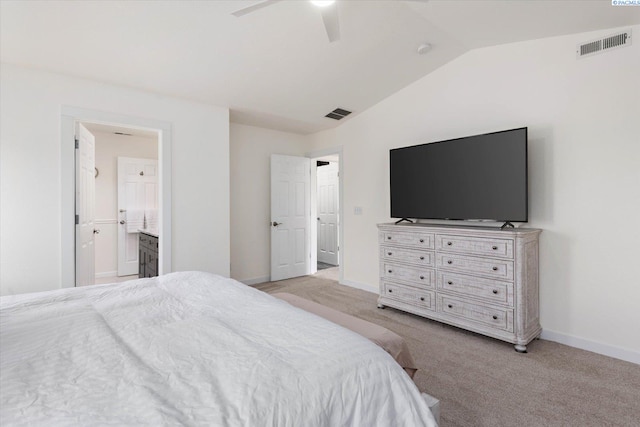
{"points": [[357, 210]]}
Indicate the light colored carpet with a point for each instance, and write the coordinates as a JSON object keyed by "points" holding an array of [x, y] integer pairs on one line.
{"points": [[484, 382]]}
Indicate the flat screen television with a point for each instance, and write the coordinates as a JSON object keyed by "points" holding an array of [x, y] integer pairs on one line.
{"points": [[481, 177]]}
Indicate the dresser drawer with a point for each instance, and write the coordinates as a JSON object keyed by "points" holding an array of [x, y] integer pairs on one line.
{"points": [[476, 287], [415, 240], [494, 268], [409, 295], [475, 245], [413, 256], [416, 275], [496, 317]]}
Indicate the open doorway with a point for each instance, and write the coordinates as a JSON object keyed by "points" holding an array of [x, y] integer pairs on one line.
{"points": [[126, 192], [327, 217], [327, 232], [71, 120], [295, 218]]}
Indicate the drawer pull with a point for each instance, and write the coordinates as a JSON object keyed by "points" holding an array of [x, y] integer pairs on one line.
{"points": [[495, 268], [449, 305], [421, 298], [421, 258], [449, 262], [390, 271], [449, 243], [421, 240], [389, 253], [390, 290], [449, 282], [495, 292], [421, 277], [495, 248], [495, 317], [388, 237]]}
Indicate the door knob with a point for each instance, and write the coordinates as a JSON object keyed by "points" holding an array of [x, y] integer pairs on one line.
{"points": [[122, 221], [275, 224], [96, 231]]}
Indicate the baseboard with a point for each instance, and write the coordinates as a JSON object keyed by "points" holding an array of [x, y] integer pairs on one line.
{"points": [[255, 281], [106, 274], [360, 286], [593, 346]]}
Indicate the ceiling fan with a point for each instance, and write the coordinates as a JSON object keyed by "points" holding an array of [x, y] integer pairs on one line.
{"points": [[328, 9]]}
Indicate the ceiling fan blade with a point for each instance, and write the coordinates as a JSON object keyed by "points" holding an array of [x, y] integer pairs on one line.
{"points": [[331, 22], [245, 10]]}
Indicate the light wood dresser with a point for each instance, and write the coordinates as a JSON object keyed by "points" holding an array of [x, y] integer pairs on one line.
{"points": [[477, 278]]}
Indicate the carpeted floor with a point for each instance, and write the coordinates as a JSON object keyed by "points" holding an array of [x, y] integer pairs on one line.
{"points": [[484, 382]]}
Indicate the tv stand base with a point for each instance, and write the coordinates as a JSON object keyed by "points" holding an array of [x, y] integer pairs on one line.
{"points": [[506, 224], [403, 219]]}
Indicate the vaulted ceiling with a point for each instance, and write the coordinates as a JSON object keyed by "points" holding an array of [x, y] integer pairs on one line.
{"points": [[275, 67]]}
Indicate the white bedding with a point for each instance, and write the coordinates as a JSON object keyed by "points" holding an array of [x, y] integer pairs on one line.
{"points": [[191, 349]]}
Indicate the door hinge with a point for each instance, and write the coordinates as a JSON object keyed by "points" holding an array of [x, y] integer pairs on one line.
{"points": [[77, 219], [77, 143]]}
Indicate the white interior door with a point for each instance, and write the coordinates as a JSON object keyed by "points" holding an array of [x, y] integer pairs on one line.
{"points": [[137, 193], [290, 216], [85, 206], [328, 213]]}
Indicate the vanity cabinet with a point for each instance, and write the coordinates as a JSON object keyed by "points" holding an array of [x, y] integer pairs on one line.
{"points": [[147, 255]]}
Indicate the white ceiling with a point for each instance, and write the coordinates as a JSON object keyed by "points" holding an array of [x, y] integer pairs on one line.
{"points": [[275, 67], [152, 136]]}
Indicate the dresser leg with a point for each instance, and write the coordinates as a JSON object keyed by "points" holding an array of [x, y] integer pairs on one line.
{"points": [[520, 348], [380, 305]]}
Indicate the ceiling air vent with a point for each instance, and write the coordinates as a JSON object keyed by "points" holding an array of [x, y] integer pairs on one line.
{"points": [[601, 45], [338, 113]]}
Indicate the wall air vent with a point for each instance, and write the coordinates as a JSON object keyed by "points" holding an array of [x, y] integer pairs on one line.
{"points": [[338, 113], [601, 45]]}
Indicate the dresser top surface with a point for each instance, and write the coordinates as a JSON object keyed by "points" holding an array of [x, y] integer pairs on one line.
{"points": [[449, 228]]}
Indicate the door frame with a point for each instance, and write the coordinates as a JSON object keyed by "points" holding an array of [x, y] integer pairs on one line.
{"points": [[333, 165], [314, 156], [69, 116]]}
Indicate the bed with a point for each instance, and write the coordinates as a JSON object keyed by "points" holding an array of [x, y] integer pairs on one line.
{"points": [[191, 349]]}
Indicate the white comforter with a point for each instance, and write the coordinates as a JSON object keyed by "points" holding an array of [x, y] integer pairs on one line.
{"points": [[191, 349]]}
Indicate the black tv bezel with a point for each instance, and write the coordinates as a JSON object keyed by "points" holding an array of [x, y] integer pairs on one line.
{"points": [[526, 169]]}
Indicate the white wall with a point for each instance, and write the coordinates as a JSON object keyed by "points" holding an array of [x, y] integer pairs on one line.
{"points": [[251, 149], [584, 160], [108, 148], [30, 156]]}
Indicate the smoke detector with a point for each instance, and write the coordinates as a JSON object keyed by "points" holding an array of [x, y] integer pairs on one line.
{"points": [[424, 48]]}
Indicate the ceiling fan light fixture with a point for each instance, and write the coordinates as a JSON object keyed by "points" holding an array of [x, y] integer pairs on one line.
{"points": [[322, 3]]}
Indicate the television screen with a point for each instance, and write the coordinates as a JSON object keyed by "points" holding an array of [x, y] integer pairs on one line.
{"points": [[481, 177]]}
